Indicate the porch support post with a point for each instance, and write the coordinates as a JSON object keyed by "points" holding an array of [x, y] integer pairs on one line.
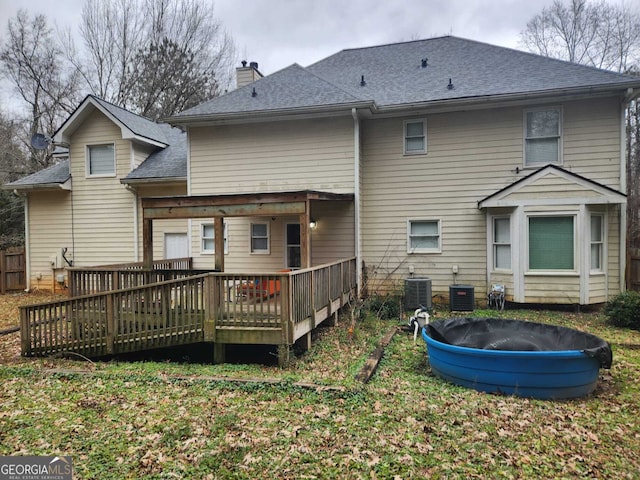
{"points": [[305, 237], [147, 243], [218, 227]]}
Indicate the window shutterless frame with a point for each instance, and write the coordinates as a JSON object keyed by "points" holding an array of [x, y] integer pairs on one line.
{"points": [[208, 238], [415, 137], [551, 243], [542, 136], [259, 241], [424, 236], [101, 160], [597, 236]]}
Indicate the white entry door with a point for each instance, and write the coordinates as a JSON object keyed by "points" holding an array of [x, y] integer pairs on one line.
{"points": [[176, 245]]}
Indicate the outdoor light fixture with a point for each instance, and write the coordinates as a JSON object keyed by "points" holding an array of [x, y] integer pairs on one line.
{"points": [[313, 224]]}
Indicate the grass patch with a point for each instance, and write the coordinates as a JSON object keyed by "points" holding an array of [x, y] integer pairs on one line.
{"points": [[173, 420]]}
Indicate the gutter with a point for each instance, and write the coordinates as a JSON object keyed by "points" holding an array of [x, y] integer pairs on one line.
{"points": [[37, 186], [148, 181], [267, 115]]}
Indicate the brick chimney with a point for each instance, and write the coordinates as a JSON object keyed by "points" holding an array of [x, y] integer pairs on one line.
{"points": [[247, 74]]}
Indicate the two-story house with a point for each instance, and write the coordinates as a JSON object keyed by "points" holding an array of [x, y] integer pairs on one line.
{"points": [[443, 158]]}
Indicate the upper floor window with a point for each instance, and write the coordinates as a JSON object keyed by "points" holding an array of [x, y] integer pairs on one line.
{"points": [[101, 160], [502, 243], [415, 137], [423, 236], [542, 135], [208, 238], [259, 238]]}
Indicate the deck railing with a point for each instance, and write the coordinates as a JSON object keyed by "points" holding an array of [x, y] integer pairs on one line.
{"points": [[104, 278], [213, 307], [139, 318]]}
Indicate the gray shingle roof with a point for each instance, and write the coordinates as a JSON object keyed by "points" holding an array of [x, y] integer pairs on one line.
{"points": [[167, 163], [56, 174], [141, 126], [394, 76], [291, 88]]}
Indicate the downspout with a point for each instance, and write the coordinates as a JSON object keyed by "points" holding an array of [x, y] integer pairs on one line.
{"points": [[356, 195]]}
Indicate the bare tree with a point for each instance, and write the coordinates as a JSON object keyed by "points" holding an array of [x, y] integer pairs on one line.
{"points": [[12, 162], [598, 34], [605, 36], [32, 60], [131, 47]]}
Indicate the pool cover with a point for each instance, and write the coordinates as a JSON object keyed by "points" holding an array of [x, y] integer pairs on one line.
{"points": [[517, 335]]}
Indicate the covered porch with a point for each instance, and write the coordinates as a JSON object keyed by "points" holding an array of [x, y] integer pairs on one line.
{"points": [[300, 206], [162, 303]]}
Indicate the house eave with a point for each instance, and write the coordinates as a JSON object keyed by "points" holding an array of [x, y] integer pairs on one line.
{"points": [[152, 181], [66, 186], [257, 116], [506, 100]]}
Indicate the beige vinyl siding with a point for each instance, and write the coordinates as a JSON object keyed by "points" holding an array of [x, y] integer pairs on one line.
{"points": [[552, 186], [160, 227], [140, 153], [271, 157], [102, 207], [591, 139], [333, 239], [471, 155], [552, 289], [334, 236], [49, 231]]}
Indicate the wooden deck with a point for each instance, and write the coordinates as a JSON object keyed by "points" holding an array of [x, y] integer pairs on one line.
{"points": [[277, 309]]}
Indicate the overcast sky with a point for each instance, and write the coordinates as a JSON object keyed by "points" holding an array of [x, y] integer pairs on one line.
{"points": [[277, 33]]}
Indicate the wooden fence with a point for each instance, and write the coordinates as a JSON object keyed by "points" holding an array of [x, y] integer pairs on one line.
{"points": [[633, 269], [12, 270]]}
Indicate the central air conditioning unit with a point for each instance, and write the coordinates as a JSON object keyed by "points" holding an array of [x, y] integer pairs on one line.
{"points": [[461, 298], [417, 292]]}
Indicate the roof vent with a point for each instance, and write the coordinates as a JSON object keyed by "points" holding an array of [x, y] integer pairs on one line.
{"points": [[450, 86], [254, 93], [244, 63], [362, 82], [424, 62], [254, 65]]}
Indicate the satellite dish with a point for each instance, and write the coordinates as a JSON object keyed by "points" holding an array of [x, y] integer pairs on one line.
{"points": [[40, 141]]}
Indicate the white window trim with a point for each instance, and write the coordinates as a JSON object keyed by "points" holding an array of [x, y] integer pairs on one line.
{"points": [[576, 245], [493, 243], [524, 135], [424, 136], [424, 250], [603, 242], [267, 251], [88, 165], [212, 251]]}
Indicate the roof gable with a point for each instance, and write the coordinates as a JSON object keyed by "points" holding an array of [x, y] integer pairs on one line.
{"points": [[132, 126], [552, 185]]}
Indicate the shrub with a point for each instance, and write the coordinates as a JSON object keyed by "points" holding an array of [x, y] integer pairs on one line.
{"points": [[624, 310], [384, 307]]}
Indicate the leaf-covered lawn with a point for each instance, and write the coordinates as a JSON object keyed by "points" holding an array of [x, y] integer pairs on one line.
{"points": [[172, 420]]}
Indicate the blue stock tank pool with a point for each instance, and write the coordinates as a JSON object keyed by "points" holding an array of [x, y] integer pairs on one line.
{"points": [[516, 357]]}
